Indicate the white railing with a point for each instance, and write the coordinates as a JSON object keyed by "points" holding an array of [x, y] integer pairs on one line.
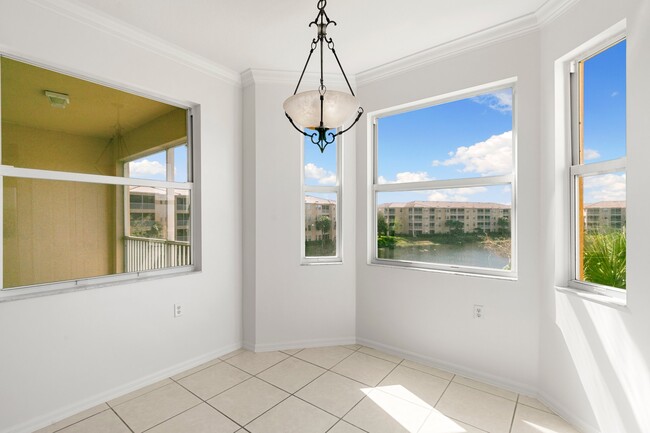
{"points": [[143, 254]]}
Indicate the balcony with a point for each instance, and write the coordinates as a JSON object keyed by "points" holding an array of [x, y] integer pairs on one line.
{"points": [[145, 254]]}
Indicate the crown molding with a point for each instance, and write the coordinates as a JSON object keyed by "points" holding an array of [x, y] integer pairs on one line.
{"points": [[310, 79], [551, 10], [512, 29], [136, 36]]}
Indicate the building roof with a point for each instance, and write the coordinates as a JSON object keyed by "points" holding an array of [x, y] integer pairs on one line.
{"points": [[317, 200], [445, 205], [607, 205]]}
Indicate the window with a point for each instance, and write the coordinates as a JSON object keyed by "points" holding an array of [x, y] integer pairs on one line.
{"points": [[598, 170], [451, 159], [97, 184], [322, 198]]}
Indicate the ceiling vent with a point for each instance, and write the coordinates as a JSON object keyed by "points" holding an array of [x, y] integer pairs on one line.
{"points": [[57, 100]]}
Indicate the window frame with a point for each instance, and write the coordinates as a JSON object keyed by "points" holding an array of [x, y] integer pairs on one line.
{"points": [[323, 189], [65, 286], [508, 179], [577, 169]]}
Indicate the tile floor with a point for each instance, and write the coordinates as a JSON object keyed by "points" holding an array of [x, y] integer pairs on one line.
{"points": [[341, 389]]}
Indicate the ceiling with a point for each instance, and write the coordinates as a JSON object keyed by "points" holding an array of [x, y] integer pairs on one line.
{"points": [[94, 110], [264, 34]]}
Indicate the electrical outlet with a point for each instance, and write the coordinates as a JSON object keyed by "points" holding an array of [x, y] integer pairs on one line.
{"points": [[178, 310], [478, 311]]}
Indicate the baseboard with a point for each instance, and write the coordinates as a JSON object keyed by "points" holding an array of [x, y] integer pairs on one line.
{"points": [[501, 382], [556, 407], [72, 409], [302, 344]]}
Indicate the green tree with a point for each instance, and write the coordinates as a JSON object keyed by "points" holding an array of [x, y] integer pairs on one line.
{"points": [[324, 224], [604, 258], [503, 225], [382, 225], [455, 227]]}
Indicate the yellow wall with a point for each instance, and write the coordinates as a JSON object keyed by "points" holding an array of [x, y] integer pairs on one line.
{"points": [[55, 230]]}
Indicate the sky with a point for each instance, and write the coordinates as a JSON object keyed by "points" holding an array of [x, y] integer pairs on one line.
{"points": [[153, 167], [472, 138]]}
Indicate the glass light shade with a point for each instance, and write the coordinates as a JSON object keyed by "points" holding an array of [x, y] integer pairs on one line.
{"points": [[304, 108]]}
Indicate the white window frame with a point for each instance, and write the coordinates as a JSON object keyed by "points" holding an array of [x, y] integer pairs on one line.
{"points": [[323, 189], [50, 288], [577, 170], [507, 179]]}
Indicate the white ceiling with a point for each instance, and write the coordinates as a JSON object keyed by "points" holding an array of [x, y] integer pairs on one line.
{"points": [[265, 34]]}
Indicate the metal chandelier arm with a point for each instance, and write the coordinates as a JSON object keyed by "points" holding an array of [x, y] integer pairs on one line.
{"points": [[359, 113]]}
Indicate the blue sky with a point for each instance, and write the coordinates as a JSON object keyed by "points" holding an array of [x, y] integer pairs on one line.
{"points": [[154, 166]]}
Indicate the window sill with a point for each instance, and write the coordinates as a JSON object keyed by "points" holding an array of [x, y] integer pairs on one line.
{"points": [[512, 277], [324, 262], [605, 300], [8, 295]]}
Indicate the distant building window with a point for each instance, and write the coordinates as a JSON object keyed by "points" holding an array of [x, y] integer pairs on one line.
{"points": [[598, 169], [452, 157], [321, 203], [89, 189]]}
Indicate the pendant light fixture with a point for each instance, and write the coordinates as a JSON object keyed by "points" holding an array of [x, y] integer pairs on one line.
{"points": [[322, 110]]}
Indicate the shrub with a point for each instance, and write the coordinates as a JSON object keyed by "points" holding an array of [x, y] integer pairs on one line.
{"points": [[604, 258]]}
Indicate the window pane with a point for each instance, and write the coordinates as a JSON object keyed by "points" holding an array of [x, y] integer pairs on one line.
{"points": [[99, 128], [604, 105], [467, 138], [59, 231], [459, 226], [152, 167], [180, 164], [320, 168], [601, 230], [320, 225]]}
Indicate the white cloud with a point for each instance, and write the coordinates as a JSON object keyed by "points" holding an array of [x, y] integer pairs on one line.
{"points": [[407, 176], [457, 194], [591, 154], [500, 101], [487, 158], [615, 94], [324, 177], [145, 167], [605, 187]]}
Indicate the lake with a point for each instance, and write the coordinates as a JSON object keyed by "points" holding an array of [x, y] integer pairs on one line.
{"points": [[468, 254]]}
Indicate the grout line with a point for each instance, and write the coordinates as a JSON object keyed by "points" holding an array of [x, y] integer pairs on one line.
{"points": [[76, 422], [443, 393], [137, 396], [124, 422], [512, 421], [172, 417]]}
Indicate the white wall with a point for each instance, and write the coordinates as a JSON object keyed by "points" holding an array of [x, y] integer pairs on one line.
{"points": [[62, 353], [428, 315], [289, 304], [595, 358]]}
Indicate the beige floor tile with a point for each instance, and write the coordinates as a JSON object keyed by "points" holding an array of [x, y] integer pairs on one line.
{"points": [[290, 351], [380, 354], [353, 346], [198, 368], [74, 418], [486, 387], [213, 380], [199, 419], [364, 368], [334, 393], [248, 400], [385, 413], [439, 423], [139, 392], [233, 353], [291, 374], [255, 363], [293, 416], [530, 420], [478, 408], [103, 422], [533, 402], [146, 411], [426, 369], [414, 386], [344, 427], [326, 357]]}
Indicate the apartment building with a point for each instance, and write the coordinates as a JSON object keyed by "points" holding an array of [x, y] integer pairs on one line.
{"points": [[416, 218], [317, 209], [605, 215]]}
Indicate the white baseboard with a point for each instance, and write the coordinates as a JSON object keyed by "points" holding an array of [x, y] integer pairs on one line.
{"points": [[556, 407], [303, 344], [72, 409], [501, 382]]}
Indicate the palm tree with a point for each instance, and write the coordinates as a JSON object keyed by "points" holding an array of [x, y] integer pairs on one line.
{"points": [[604, 258]]}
